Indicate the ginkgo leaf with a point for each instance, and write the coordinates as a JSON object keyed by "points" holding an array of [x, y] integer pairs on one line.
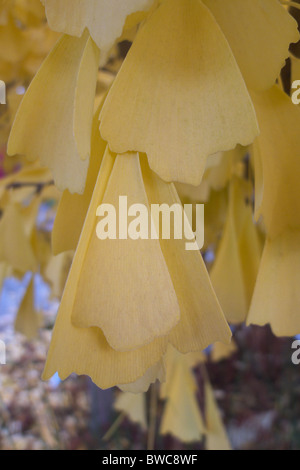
{"points": [[41, 40], [132, 24], [295, 73], [199, 193], [134, 406], [15, 248], [40, 244], [28, 321], [85, 350], [22, 194], [217, 176], [251, 243], [188, 193], [277, 161], [4, 7], [276, 296], [228, 283], [146, 306], [180, 71], [53, 123], [73, 208], [30, 213], [214, 219], [104, 19], [29, 12], [202, 320], [259, 33], [240, 248], [221, 351], [171, 360], [182, 416], [153, 374], [29, 173], [216, 436], [13, 48], [218, 171], [56, 272]]}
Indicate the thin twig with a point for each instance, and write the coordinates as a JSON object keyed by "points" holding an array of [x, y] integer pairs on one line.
{"points": [[152, 417], [38, 186], [290, 4], [114, 427]]}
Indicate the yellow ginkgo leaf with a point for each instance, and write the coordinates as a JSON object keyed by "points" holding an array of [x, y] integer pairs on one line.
{"points": [[216, 436], [13, 47], [4, 8], [182, 416], [171, 361], [86, 349], [29, 12], [218, 171], [202, 320], [104, 19], [277, 161], [25, 193], [53, 123], [259, 33], [214, 218], [154, 373], [40, 244], [251, 243], [29, 173], [180, 71], [30, 213], [134, 406], [189, 193], [227, 277], [73, 208], [276, 296], [132, 24], [295, 73], [234, 271], [41, 40], [217, 176], [28, 321], [146, 306], [56, 272], [15, 248], [221, 351]]}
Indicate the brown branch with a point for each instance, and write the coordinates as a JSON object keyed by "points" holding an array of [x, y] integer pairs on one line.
{"points": [[39, 186]]}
